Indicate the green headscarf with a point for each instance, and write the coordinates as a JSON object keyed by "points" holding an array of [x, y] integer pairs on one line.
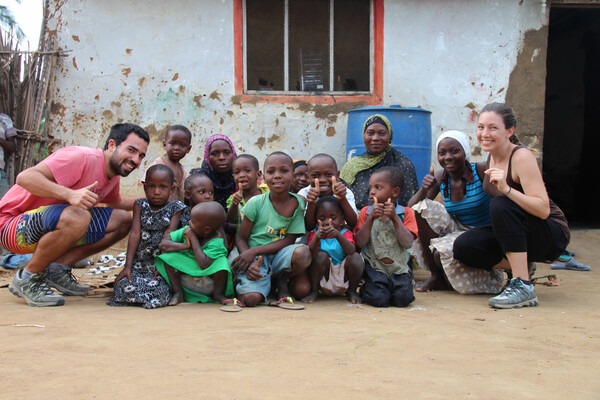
{"points": [[366, 160]]}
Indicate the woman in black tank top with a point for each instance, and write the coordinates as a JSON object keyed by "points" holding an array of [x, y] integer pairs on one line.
{"points": [[526, 225]]}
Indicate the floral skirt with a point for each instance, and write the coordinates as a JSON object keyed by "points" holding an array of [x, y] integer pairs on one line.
{"points": [[463, 279], [142, 290]]}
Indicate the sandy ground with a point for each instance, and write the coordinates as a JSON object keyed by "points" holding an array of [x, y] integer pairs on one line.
{"points": [[444, 345]]}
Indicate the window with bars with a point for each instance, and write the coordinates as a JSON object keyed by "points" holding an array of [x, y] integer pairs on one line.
{"points": [[315, 46]]}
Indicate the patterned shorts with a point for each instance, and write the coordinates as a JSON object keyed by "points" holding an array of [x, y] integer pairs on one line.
{"points": [[22, 233]]}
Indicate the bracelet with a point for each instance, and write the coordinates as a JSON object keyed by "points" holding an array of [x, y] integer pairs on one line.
{"points": [[509, 189]]}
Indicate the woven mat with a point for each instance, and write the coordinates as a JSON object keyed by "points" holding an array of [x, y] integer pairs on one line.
{"points": [[102, 271]]}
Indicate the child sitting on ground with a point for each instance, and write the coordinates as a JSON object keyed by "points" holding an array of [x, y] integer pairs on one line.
{"points": [[270, 226], [153, 217], [177, 145], [246, 173], [385, 231], [198, 188], [336, 268], [300, 180], [199, 251], [323, 176]]}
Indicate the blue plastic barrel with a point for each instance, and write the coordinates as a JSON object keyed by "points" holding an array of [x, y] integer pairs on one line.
{"points": [[412, 133]]}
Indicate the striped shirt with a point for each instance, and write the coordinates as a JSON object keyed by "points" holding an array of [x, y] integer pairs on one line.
{"points": [[474, 209]]}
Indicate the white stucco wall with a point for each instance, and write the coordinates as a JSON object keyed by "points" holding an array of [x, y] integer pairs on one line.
{"points": [[159, 63], [453, 57]]}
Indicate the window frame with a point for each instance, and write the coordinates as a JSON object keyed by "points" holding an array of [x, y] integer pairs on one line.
{"points": [[327, 97]]}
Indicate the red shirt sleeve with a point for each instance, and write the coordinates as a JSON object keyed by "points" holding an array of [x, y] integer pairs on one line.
{"points": [[362, 217], [410, 222], [348, 235], [311, 235]]}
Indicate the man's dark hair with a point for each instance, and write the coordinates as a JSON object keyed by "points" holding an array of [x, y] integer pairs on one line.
{"points": [[120, 132]]}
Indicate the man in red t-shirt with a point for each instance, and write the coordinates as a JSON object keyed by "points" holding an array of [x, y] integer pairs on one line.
{"points": [[53, 212]]}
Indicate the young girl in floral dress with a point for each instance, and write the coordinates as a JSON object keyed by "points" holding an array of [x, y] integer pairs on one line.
{"points": [[153, 218]]}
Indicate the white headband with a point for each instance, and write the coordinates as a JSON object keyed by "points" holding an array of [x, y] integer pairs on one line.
{"points": [[460, 138]]}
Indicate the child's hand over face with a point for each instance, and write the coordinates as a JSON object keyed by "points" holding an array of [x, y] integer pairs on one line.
{"points": [[313, 193], [339, 189], [237, 197], [253, 272], [188, 233], [377, 211]]}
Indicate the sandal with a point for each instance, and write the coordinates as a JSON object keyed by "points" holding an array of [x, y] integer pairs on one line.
{"points": [[572, 264], [288, 303], [552, 280], [232, 305]]}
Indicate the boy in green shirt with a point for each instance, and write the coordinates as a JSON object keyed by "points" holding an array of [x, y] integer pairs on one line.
{"points": [[271, 223]]}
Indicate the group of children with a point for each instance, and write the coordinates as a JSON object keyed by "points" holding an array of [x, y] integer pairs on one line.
{"points": [[223, 235]]}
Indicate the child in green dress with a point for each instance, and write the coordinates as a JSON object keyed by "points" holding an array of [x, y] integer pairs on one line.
{"points": [[197, 250]]}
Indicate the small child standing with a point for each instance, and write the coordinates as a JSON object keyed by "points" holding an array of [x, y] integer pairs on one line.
{"points": [[336, 268], [177, 144], [246, 173], [198, 251], [300, 180], [270, 226], [323, 176], [385, 231], [153, 217]]}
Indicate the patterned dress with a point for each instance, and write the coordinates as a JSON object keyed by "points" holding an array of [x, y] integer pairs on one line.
{"points": [[143, 290], [185, 217]]}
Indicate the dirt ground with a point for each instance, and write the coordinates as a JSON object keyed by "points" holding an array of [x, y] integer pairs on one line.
{"points": [[444, 345]]}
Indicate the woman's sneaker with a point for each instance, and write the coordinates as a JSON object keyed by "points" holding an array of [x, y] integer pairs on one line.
{"points": [[515, 294], [60, 277], [34, 289]]}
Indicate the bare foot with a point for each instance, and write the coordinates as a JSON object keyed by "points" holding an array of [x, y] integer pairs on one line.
{"points": [[353, 297], [176, 298], [312, 296], [433, 283], [220, 298]]}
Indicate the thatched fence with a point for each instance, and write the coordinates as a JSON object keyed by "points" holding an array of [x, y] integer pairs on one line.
{"points": [[25, 91]]}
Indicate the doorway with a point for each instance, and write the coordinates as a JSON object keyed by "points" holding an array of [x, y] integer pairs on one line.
{"points": [[572, 113]]}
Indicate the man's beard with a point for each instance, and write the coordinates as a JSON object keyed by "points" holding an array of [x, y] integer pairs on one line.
{"points": [[117, 166]]}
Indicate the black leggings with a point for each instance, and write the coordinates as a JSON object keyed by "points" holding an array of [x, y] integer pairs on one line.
{"points": [[512, 230]]}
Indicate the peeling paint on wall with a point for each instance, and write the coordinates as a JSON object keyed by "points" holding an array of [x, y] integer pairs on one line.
{"points": [[93, 91], [526, 92]]}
